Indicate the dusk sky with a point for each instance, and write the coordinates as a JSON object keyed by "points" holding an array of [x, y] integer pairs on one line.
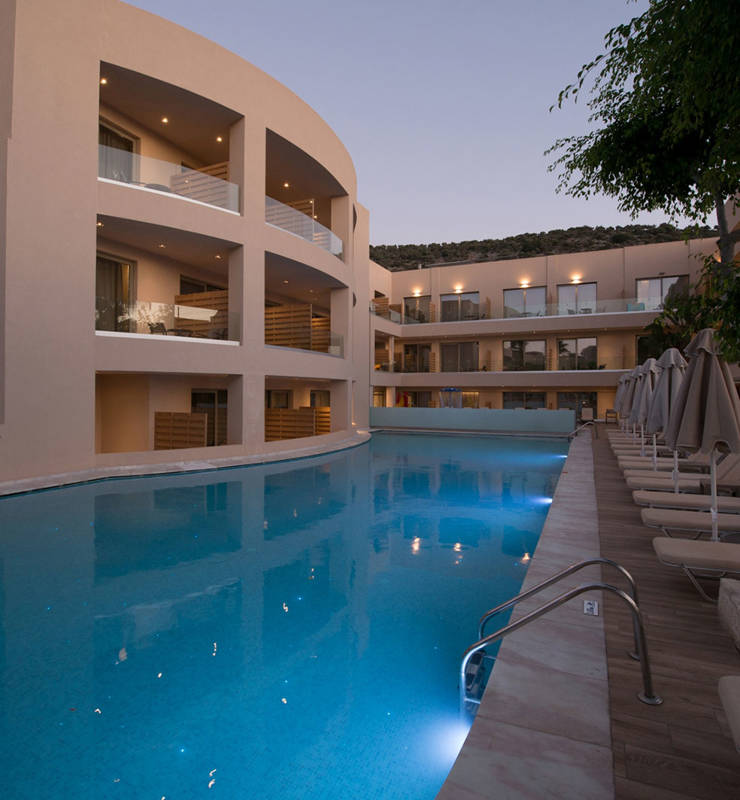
{"points": [[443, 106]]}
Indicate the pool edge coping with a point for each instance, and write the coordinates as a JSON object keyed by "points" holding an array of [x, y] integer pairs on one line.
{"points": [[496, 759]]}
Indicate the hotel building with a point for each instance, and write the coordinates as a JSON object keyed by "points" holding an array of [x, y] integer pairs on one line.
{"points": [[184, 270]]}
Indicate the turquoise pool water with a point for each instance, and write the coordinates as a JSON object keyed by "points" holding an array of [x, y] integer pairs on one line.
{"points": [[288, 631]]}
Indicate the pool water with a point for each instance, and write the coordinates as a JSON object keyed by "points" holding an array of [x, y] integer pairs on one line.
{"points": [[286, 631]]}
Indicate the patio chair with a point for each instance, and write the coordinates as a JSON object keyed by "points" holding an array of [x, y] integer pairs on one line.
{"points": [[714, 560], [688, 521]]}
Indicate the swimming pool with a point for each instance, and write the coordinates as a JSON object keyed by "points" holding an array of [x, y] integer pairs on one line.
{"points": [[285, 631]]}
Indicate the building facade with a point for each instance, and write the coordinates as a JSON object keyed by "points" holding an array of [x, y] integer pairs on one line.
{"points": [[184, 269], [184, 263], [547, 332]]}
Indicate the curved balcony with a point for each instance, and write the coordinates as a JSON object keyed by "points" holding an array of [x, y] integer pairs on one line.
{"points": [[206, 185], [299, 224]]}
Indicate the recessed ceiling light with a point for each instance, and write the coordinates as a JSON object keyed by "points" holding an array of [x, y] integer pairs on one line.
{"points": [[218, 256], [165, 120], [99, 224], [219, 139], [286, 185], [162, 245], [285, 281], [103, 81]]}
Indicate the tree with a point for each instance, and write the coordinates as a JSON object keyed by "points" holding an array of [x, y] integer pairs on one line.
{"points": [[665, 103]]}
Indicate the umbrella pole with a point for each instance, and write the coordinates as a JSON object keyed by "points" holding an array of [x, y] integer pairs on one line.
{"points": [[655, 451], [642, 440], [675, 471], [713, 470]]}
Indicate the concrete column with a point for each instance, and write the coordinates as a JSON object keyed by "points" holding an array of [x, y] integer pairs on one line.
{"points": [[340, 406]]}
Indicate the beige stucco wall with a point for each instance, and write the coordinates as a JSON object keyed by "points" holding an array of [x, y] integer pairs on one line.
{"points": [[49, 239]]}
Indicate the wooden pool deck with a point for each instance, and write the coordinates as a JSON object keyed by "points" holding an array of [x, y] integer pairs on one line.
{"points": [[683, 748]]}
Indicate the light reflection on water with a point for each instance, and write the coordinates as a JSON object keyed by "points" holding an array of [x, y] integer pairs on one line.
{"points": [[289, 631]]}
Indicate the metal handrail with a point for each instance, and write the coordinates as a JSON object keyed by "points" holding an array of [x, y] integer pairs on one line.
{"points": [[646, 695], [574, 433], [554, 579]]}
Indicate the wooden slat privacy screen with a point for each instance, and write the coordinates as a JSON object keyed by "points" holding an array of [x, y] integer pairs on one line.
{"points": [[207, 184], [214, 325], [295, 326], [174, 430], [296, 423]]}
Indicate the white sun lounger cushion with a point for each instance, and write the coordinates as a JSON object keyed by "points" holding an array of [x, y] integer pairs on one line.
{"points": [[697, 555], [678, 519], [651, 473], [729, 694], [695, 502], [664, 484]]}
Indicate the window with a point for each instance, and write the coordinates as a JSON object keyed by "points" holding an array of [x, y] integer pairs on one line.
{"points": [[378, 397], [576, 298], [652, 292], [530, 302], [320, 398], [194, 286], [278, 398], [115, 155], [417, 308], [462, 306], [524, 355], [471, 399], [416, 357], [413, 399], [114, 294], [524, 400], [459, 357], [577, 354], [212, 403], [577, 400]]}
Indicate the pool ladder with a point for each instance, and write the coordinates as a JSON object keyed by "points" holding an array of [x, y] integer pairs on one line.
{"points": [[640, 652]]}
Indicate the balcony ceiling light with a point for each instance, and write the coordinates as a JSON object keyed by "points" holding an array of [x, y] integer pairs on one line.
{"points": [[218, 256], [165, 120], [286, 185], [103, 81], [162, 245], [285, 281], [219, 139], [99, 224]]}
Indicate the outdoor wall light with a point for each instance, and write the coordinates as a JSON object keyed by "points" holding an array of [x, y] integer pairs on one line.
{"points": [[417, 292], [103, 81], [458, 289], [575, 279], [524, 284]]}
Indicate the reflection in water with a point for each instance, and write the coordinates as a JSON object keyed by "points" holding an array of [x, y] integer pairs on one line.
{"points": [[287, 630]]}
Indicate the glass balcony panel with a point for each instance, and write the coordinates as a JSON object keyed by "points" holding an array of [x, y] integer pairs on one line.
{"points": [[300, 224], [207, 185], [166, 319]]}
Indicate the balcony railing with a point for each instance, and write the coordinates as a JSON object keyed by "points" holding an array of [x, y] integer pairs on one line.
{"points": [[300, 224], [550, 310], [209, 185], [166, 319]]}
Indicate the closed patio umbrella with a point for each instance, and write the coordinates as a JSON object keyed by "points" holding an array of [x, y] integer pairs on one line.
{"points": [[628, 396], [673, 366], [706, 416], [649, 373], [621, 386]]}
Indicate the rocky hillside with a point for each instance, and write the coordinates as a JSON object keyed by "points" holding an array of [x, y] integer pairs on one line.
{"points": [[572, 240]]}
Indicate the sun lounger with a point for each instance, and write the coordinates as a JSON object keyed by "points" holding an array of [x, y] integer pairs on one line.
{"points": [[714, 559], [646, 462], [690, 502], [636, 472], [729, 694], [663, 484], [698, 522]]}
